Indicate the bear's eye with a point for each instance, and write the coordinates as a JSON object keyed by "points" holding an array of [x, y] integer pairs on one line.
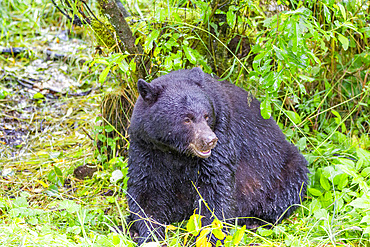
{"points": [[187, 120], [206, 117]]}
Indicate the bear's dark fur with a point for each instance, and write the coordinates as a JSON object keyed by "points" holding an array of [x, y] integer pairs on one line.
{"points": [[190, 130]]}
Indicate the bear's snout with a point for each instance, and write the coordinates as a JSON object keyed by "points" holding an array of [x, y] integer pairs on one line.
{"points": [[204, 141], [209, 141]]}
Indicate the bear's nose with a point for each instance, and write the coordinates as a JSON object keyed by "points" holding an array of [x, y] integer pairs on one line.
{"points": [[211, 140]]}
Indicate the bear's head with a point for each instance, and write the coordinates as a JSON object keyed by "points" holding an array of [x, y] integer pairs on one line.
{"points": [[175, 114]]}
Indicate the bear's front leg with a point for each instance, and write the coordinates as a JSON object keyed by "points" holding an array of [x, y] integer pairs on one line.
{"points": [[144, 225], [218, 194], [216, 204]]}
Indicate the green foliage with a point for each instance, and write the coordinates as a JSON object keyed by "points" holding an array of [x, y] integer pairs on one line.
{"points": [[308, 62], [284, 55], [118, 165], [35, 226], [203, 233]]}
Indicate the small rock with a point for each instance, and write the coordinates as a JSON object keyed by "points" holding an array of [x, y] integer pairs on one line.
{"points": [[84, 171]]}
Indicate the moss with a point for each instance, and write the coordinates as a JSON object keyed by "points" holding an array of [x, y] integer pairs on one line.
{"points": [[104, 33]]}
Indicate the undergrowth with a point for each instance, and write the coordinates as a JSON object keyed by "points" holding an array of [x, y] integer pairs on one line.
{"points": [[307, 62]]}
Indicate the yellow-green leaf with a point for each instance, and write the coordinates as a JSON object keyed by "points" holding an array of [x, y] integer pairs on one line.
{"points": [[238, 235], [190, 55], [266, 108], [314, 192], [38, 96], [342, 10], [325, 183], [194, 224], [294, 117], [104, 74], [344, 41]]}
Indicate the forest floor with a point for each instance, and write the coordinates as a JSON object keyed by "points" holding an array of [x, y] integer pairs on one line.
{"points": [[50, 99]]}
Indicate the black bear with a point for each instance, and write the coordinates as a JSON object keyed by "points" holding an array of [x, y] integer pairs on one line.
{"points": [[194, 136]]}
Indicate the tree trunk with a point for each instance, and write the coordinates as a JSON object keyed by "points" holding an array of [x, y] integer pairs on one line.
{"points": [[112, 11]]}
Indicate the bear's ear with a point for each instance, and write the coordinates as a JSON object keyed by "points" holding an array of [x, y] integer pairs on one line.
{"points": [[196, 75], [148, 91]]}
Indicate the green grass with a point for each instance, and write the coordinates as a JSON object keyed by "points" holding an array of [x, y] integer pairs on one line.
{"points": [[322, 107]]}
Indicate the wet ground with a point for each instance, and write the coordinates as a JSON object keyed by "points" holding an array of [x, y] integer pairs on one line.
{"points": [[38, 87]]}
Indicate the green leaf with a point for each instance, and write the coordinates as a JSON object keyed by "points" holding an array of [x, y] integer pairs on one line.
{"points": [[327, 14], [264, 232], [177, 59], [365, 172], [218, 233], [363, 154], [279, 53], [149, 41], [111, 143], [108, 128], [344, 41], [132, 65], [314, 205], [295, 38], [217, 227], [257, 61], [190, 55], [231, 18], [320, 213], [325, 183], [341, 180], [100, 60], [359, 164], [316, 59], [293, 116], [266, 108], [38, 96], [116, 240], [168, 63], [123, 65], [56, 176], [69, 206], [366, 219], [3, 94], [362, 202], [335, 113], [328, 172], [102, 137], [314, 192], [343, 183], [327, 198], [269, 21], [238, 235], [349, 171], [104, 74], [20, 202], [52, 190], [342, 10], [302, 143], [306, 78], [194, 224], [339, 137], [346, 162]]}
